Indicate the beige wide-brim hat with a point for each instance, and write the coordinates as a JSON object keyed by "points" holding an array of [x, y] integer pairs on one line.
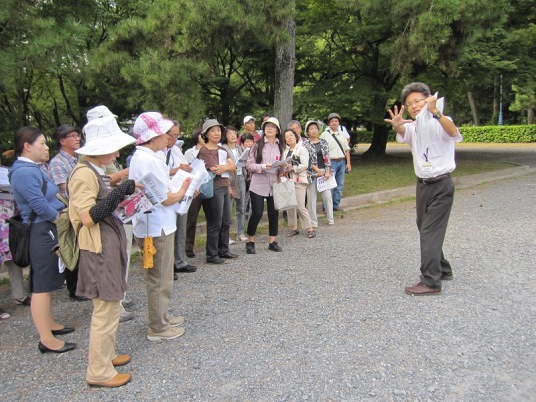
{"points": [[103, 137], [272, 120]]}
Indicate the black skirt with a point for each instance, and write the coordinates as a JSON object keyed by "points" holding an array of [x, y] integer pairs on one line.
{"points": [[44, 273]]}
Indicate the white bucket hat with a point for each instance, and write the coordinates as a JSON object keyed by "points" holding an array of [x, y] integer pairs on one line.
{"points": [[103, 136], [99, 111], [149, 125]]}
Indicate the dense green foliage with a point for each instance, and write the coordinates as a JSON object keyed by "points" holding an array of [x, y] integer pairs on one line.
{"points": [[216, 58], [499, 134]]}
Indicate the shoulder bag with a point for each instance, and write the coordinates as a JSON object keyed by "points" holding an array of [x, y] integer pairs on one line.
{"points": [[19, 235]]}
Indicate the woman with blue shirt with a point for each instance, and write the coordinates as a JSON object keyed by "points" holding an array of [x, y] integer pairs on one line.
{"points": [[35, 195]]}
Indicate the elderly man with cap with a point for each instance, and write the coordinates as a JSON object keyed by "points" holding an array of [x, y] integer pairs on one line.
{"points": [[249, 128], [60, 168], [339, 154]]}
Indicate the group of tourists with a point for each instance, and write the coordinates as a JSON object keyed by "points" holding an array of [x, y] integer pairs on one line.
{"points": [[85, 184]]}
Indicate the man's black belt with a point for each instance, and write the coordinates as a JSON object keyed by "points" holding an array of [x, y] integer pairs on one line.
{"points": [[431, 180], [338, 159]]}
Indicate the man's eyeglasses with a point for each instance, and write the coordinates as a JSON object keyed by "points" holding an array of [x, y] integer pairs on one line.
{"points": [[174, 136], [73, 135], [415, 102]]}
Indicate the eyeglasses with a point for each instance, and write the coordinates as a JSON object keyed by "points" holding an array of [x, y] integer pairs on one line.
{"points": [[415, 102], [174, 136], [73, 135]]}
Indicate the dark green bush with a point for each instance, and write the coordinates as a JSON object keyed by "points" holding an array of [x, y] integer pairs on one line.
{"points": [[498, 134]]}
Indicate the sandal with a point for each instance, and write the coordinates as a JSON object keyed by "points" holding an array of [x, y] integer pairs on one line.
{"points": [[293, 233], [311, 234], [3, 315]]}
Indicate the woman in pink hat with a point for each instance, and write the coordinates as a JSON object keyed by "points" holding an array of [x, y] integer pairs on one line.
{"points": [[160, 224]]}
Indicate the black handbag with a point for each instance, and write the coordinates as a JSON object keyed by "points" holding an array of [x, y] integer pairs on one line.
{"points": [[19, 235], [19, 240]]}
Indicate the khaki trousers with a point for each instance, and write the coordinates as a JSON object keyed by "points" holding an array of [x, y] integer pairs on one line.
{"points": [[159, 281], [301, 209], [104, 323]]}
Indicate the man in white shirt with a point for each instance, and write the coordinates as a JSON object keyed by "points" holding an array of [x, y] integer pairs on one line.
{"points": [[339, 154], [435, 188]]}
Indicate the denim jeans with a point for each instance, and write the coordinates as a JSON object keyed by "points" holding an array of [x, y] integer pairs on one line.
{"points": [[338, 168]]}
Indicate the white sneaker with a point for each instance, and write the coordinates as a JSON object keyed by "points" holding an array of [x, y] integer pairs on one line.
{"points": [[176, 321], [231, 242], [171, 333], [242, 238]]}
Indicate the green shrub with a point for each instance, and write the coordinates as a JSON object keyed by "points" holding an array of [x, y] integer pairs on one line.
{"points": [[499, 134]]}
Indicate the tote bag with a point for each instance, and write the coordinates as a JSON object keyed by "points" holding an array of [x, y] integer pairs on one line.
{"points": [[284, 195]]}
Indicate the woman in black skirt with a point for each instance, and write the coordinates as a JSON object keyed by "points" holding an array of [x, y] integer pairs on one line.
{"points": [[35, 195]]}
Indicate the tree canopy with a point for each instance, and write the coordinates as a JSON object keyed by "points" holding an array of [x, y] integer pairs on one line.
{"points": [[223, 59]]}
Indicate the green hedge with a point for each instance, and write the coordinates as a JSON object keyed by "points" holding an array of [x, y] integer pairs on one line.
{"points": [[498, 134]]}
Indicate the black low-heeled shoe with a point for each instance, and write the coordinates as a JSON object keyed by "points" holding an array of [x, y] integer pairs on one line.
{"points": [[63, 331], [68, 346]]}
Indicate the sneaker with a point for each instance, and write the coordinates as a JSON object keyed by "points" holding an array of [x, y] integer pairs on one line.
{"points": [[242, 237], [171, 333], [176, 321], [274, 246], [250, 247], [190, 254], [126, 316], [331, 222], [127, 303], [231, 242]]}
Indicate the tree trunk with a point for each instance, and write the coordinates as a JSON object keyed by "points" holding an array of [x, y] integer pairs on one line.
{"points": [[495, 114], [473, 109], [379, 141], [530, 116], [285, 59]]}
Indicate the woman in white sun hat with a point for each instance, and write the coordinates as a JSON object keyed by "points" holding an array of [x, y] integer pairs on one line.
{"points": [[102, 241]]}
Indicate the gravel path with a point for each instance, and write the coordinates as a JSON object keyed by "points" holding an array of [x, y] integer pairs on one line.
{"points": [[327, 319]]}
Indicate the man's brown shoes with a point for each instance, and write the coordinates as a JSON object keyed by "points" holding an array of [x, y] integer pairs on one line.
{"points": [[119, 380], [420, 289]]}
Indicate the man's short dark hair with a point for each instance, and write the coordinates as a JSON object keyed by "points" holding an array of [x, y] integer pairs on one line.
{"points": [[414, 87]]}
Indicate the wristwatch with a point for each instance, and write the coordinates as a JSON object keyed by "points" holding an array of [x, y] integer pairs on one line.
{"points": [[438, 115]]}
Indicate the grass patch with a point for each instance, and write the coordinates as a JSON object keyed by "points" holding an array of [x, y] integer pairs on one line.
{"points": [[372, 175]]}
